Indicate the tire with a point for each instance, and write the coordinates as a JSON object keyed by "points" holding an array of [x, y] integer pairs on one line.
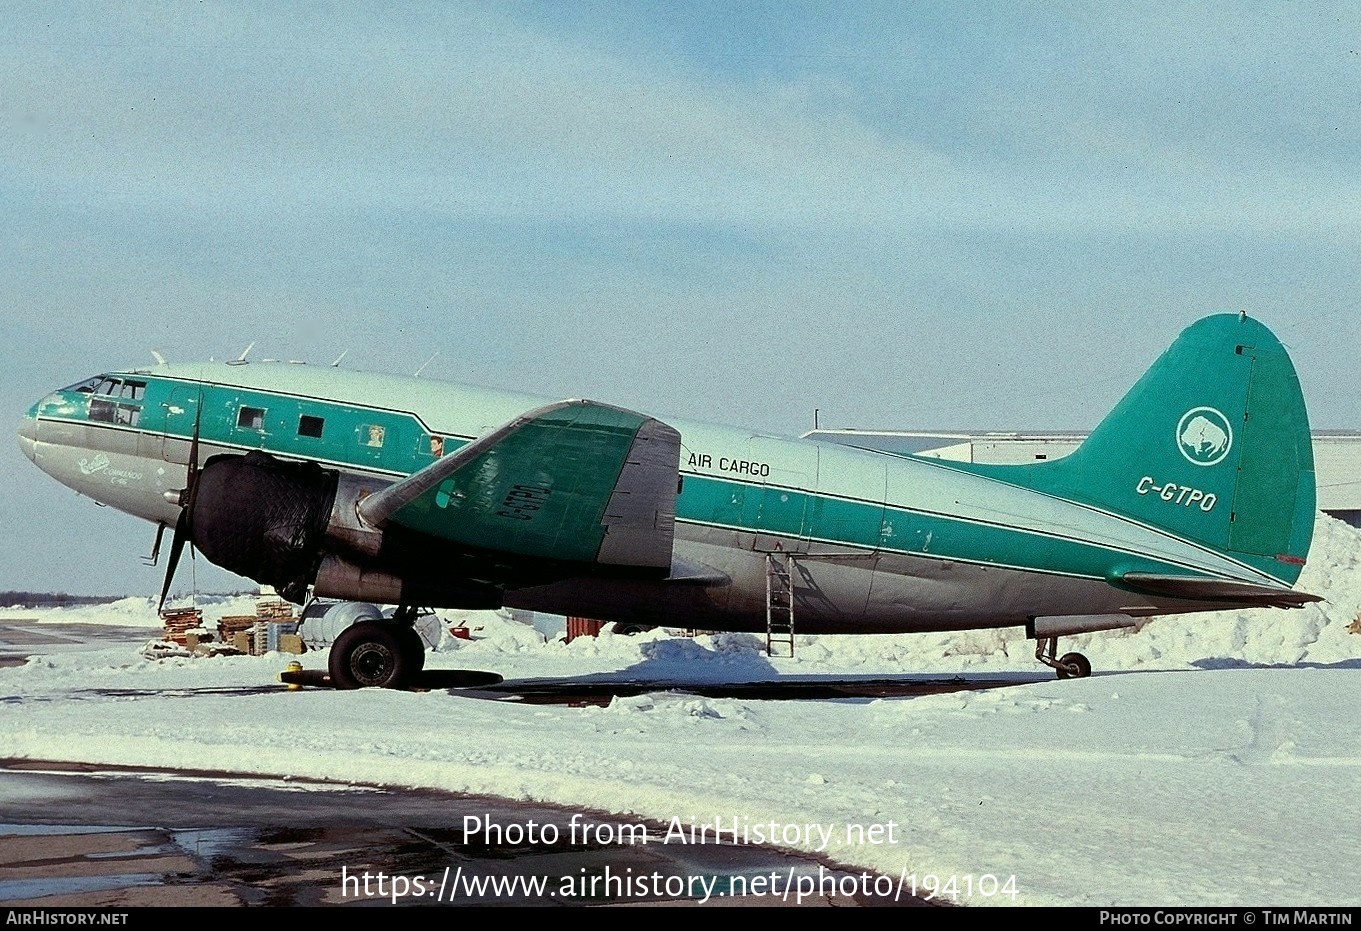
{"points": [[1076, 666], [370, 654]]}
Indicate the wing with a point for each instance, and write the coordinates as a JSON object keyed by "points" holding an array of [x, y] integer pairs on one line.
{"points": [[575, 481]]}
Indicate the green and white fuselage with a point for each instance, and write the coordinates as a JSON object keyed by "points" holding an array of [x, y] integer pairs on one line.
{"points": [[1196, 494]]}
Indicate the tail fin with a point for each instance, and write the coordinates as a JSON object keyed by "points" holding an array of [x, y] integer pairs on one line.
{"points": [[1212, 444]]}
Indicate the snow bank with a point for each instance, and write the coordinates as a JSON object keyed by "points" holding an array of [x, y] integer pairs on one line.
{"points": [[1179, 773]]}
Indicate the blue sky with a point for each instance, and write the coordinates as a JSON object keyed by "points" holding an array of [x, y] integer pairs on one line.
{"points": [[907, 215]]}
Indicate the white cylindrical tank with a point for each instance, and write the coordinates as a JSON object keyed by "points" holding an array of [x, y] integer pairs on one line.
{"points": [[323, 621]]}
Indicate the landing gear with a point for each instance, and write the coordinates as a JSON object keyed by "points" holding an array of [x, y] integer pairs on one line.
{"points": [[370, 654], [1068, 666], [404, 619], [385, 654], [414, 647], [1073, 666]]}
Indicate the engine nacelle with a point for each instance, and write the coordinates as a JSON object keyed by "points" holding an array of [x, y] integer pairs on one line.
{"points": [[295, 525], [263, 518]]}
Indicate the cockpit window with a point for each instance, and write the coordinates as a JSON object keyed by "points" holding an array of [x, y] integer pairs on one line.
{"points": [[85, 387], [114, 400], [110, 387], [120, 406]]}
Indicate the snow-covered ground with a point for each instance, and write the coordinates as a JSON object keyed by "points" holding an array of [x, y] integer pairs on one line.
{"points": [[1213, 758]]}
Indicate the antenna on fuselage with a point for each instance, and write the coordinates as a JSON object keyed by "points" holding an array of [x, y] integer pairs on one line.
{"points": [[417, 373], [336, 363], [160, 359]]}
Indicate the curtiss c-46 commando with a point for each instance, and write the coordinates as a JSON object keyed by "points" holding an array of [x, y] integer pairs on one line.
{"points": [[1195, 493]]}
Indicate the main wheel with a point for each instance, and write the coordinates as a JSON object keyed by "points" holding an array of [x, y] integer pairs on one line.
{"points": [[1074, 666], [370, 654]]}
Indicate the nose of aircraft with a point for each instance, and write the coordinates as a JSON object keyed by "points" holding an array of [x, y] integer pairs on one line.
{"points": [[28, 432]]}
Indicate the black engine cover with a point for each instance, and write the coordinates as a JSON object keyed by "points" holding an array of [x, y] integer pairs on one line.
{"points": [[263, 518]]}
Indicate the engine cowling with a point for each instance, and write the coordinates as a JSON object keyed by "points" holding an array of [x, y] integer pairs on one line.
{"points": [[294, 525], [264, 518]]}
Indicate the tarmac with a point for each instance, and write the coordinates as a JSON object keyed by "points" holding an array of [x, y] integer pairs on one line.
{"points": [[75, 835], [86, 836]]}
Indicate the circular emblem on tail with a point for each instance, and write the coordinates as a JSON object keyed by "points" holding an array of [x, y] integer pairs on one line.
{"points": [[1204, 436]]}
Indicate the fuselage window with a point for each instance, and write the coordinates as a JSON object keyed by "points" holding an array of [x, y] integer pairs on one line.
{"points": [[102, 411], [251, 418], [372, 435], [310, 426]]}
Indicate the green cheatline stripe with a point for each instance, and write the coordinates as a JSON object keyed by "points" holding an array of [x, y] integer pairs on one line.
{"points": [[709, 501], [1004, 475], [730, 505], [704, 500]]}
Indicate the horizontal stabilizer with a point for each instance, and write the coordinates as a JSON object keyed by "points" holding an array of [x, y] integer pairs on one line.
{"points": [[697, 573], [1244, 594], [1068, 625], [574, 481]]}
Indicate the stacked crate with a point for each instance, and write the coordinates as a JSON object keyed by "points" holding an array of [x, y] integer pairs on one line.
{"points": [[178, 621], [235, 629], [275, 627], [273, 609]]}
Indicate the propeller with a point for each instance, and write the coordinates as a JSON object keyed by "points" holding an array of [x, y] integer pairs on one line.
{"points": [[184, 526]]}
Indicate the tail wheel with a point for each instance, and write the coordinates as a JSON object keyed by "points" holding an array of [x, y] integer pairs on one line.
{"points": [[1067, 666], [1073, 666], [371, 654]]}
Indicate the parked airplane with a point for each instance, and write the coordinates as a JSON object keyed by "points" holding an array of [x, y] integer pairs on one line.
{"points": [[1196, 493]]}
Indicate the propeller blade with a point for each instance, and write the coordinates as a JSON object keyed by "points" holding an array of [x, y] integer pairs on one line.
{"points": [[191, 477], [184, 526], [176, 548]]}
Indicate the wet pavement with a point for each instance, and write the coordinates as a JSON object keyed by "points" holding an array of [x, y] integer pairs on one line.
{"points": [[602, 689], [20, 637], [80, 835], [809, 688], [73, 836]]}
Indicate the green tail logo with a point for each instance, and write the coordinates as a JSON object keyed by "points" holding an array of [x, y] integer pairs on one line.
{"points": [[1212, 444]]}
